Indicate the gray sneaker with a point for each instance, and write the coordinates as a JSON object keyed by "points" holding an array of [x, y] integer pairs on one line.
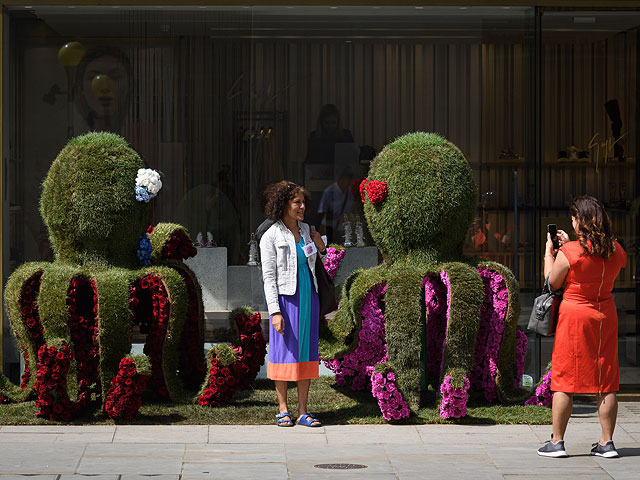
{"points": [[550, 449], [607, 450]]}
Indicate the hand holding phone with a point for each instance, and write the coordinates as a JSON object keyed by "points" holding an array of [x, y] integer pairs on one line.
{"points": [[553, 231]]}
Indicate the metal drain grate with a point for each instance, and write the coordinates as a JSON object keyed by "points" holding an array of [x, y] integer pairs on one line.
{"points": [[340, 466]]}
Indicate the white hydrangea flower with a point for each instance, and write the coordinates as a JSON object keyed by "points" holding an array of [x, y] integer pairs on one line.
{"points": [[149, 179]]}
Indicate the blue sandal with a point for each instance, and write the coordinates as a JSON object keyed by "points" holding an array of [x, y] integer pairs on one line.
{"points": [[308, 420], [284, 420]]}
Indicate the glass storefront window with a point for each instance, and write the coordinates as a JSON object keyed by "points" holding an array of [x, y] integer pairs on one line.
{"points": [[224, 100], [589, 142]]}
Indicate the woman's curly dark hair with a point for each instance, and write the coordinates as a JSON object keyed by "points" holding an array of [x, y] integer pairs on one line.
{"points": [[277, 195], [593, 225]]}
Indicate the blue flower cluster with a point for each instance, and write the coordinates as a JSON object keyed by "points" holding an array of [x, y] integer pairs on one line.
{"points": [[142, 195], [144, 250]]}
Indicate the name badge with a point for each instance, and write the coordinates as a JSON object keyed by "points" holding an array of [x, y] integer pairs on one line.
{"points": [[309, 249]]}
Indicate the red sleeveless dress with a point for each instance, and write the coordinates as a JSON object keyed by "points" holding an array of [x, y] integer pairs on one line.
{"points": [[585, 349]]}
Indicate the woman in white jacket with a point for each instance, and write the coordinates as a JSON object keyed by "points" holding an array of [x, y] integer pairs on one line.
{"points": [[288, 252]]}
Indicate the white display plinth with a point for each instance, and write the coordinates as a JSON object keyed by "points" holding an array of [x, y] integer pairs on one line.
{"points": [[245, 287], [354, 259], [210, 267]]}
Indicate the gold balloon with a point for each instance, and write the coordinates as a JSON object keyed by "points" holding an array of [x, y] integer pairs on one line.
{"points": [[71, 54], [103, 86]]}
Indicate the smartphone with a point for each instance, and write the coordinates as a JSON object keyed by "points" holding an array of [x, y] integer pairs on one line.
{"points": [[553, 231]]}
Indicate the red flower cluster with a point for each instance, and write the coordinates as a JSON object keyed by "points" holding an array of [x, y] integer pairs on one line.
{"points": [[82, 299], [363, 186], [30, 312], [251, 349], [193, 367], [376, 191], [3, 399], [26, 375], [223, 381], [178, 247], [149, 302], [124, 397], [51, 383], [221, 387]]}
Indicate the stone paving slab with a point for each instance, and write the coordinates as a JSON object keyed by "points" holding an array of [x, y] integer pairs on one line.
{"points": [[33, 458], [235, 453], [371, 434], [148, 459], [266, 434], [235, 471], [161, 434]]}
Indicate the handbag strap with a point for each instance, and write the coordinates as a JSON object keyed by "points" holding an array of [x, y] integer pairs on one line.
{"points": [[547, 287]]}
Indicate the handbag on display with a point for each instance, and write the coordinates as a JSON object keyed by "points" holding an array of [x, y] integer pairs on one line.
{"points": [[326, 289], [544, 314]]}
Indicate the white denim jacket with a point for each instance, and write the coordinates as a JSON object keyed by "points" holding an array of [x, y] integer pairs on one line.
{"points": [[280, 264]]}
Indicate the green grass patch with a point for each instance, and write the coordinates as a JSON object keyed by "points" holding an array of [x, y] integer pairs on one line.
{"points": [[333, 405]]}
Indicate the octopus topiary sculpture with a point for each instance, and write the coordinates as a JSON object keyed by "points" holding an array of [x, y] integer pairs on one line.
{"points": [[73, 318], [426, 316]]}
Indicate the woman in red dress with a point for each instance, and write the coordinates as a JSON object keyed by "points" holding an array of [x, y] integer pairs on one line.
{"points": [[585, 350]]}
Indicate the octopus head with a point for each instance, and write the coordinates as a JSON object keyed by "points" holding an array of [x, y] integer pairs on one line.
{"points": [[419, 198], [89, 202]]}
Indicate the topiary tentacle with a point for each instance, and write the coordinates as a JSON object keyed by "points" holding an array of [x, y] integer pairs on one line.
{"points": [[465, 301], [22, 291], [177, 298], [506, 391]]}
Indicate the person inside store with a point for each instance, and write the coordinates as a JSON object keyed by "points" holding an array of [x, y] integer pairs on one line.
{"points": [[336, 202], [288, 251], [585, 349], [320, 161], [329, 131]]}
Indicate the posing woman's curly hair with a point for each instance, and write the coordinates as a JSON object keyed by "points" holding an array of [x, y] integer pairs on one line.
{"points": [[593, 225], [277, 195]]}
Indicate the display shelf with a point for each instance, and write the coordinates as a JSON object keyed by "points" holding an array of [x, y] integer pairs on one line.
{"points": [[601, 164]]}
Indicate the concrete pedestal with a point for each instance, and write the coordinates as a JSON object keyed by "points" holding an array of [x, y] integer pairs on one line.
{"points": [[354, 259], [210, 266], [245, 287]]}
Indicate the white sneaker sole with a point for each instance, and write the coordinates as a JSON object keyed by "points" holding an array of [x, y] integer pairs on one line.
{"points": [[560, 454], [606, 454]]}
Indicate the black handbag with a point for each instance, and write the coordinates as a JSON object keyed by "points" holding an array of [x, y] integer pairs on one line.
{"points": [[326, 289], [544, 314]]}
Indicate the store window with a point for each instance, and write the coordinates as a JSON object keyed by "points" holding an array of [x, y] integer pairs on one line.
{"points": [[589, 142], [224, 100]]}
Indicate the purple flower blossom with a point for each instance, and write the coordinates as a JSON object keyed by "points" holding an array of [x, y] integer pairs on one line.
{"points": [[436, 289], [521, 352], [454, 400], [490, 330], [371, 348], [332, 261], [388, 396], [543, 395]]}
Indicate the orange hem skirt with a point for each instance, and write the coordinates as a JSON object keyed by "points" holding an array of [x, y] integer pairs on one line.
{"points": [[293, 371]]}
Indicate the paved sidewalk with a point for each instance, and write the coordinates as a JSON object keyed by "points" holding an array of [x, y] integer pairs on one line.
{"points": [[268, 452]]}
